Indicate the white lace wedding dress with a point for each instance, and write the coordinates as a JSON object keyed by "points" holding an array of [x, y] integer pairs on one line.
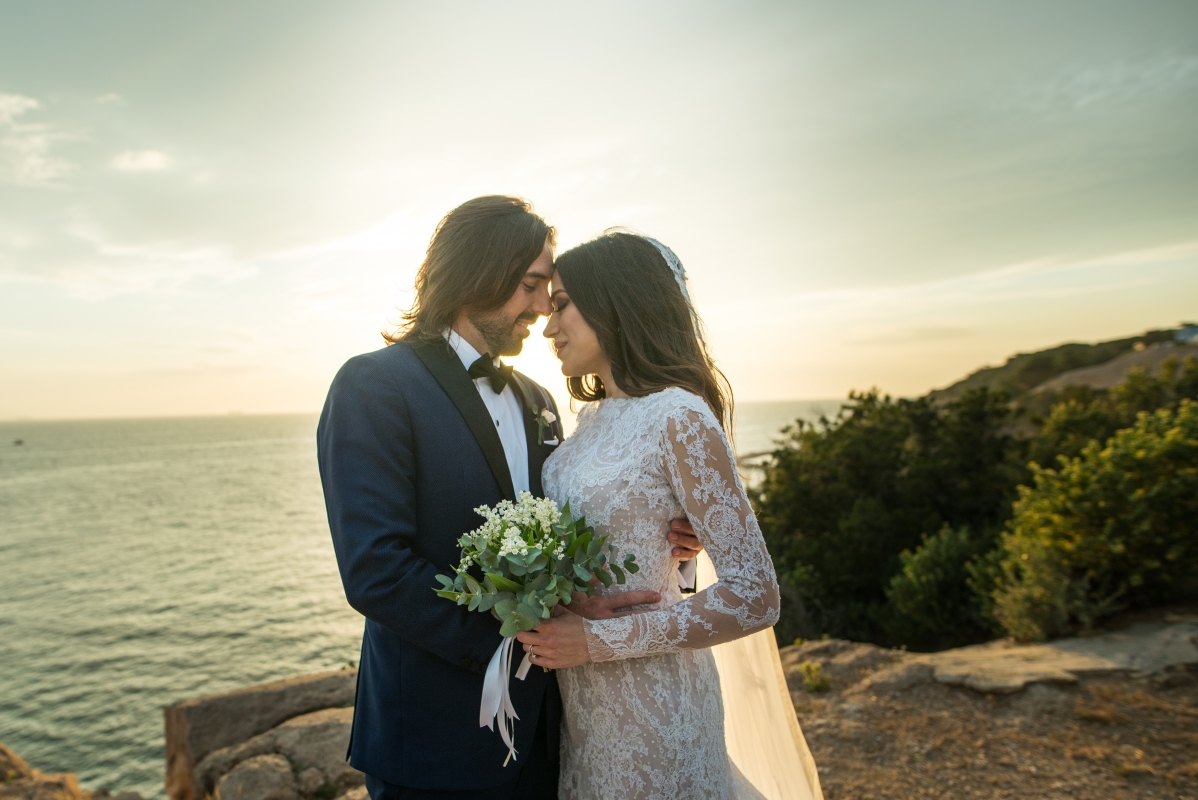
{"points": [[645, 719]]}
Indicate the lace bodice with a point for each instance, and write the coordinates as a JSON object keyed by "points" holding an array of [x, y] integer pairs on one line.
{"points": [[633, 465], [644, 718]]}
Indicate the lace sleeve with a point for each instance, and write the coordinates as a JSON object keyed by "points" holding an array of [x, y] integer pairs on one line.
{"points": [[745, 599]]}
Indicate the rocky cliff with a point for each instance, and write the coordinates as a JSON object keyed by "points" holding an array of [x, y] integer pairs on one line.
{"points": [[19, 781]]}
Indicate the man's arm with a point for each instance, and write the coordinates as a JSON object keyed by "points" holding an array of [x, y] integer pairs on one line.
{"points": [[368, 469]]}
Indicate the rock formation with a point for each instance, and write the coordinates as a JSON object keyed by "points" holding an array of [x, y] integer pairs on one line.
{"points": [[232, 744], [19, 781]]}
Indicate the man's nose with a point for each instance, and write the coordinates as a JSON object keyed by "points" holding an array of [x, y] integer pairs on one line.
{"points": [[543, 304]]}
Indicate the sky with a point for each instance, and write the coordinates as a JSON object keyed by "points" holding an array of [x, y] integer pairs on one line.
{"points": [[207, 208]]}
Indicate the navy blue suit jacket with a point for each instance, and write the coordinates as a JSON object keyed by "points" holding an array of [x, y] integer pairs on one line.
{"points": [[407, 450]]}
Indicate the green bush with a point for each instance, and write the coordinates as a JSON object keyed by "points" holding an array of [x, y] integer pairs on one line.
{"points": [[841, 501], [935, 596], [1116, 526], [1081, 415], [814, 677]]}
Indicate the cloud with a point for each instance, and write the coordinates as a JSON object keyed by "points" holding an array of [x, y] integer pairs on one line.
{"points": [[110, 97], [25, 157], [141, 161]]}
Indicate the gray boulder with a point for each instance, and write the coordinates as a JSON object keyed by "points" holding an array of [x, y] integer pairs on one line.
{"points": [[897, 678], [197, 727], [314, 743], [266, 777]]}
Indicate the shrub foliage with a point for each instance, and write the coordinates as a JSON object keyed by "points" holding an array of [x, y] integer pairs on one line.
{"points": [[842, 500], [893, 522], [1116, 526]]}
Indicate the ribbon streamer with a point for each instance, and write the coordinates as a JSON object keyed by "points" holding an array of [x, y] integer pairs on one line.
{"points": [[497, 699]]}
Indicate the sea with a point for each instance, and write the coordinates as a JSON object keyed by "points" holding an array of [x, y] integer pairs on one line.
{"points": [[147, 561]]}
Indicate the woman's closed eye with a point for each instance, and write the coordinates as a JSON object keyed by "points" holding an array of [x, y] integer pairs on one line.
{"points": [[560, 304]]}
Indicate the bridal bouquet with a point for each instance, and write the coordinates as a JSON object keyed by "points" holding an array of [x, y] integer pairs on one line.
{"points": [[527, 557]]}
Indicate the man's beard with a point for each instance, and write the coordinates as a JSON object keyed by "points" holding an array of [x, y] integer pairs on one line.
{"points": [[499, 331]]}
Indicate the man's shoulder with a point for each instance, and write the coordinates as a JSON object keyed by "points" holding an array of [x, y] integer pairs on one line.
{"points": [[391, 363]]}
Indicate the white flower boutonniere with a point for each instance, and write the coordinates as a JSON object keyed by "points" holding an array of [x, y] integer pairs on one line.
{"points": [[545, 419]]}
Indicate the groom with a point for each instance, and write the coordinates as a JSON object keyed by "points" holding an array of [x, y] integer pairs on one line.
{"points": [[412, 438]]}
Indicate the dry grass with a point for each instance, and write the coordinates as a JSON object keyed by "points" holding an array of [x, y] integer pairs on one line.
{"points": [[1110, 737], [1183, 773]]}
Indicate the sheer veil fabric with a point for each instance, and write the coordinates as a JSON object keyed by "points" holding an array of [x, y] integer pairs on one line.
{"points": [[764, 740]]}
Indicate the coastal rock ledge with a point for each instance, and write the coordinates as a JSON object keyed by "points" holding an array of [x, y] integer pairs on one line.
{"points": [[283, 740], [19, 781]]}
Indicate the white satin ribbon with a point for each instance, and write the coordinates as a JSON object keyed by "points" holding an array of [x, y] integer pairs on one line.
{"points": [[497, 699]]}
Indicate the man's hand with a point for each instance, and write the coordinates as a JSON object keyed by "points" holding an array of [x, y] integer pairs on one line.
{"points": [[611, 605], [682, 536]]}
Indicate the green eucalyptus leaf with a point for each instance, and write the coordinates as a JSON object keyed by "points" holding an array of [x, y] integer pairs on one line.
{"points": [[506, 607], [604, 577], [527, 616], [503, 584], [618, 572], [508, 628]]}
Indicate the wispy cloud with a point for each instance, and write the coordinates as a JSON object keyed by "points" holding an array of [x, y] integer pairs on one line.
{"points": [[141, 161], [25, 157], [108, 98], [1116, 83], [1012, 281]]}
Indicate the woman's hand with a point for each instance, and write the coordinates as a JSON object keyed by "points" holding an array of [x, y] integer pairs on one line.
{"points": [[557, 643]]}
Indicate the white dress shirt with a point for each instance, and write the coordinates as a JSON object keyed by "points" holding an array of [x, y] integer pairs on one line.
{"points": [[505, 412]]}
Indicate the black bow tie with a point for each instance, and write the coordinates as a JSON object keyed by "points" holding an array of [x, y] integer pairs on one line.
{"points": [[498, 376]]}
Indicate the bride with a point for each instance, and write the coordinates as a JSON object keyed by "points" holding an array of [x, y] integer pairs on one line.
{"points": [[644, 715]]}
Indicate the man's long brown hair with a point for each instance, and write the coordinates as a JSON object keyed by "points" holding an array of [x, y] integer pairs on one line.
{"points": [[627, 293], [475, 260]]}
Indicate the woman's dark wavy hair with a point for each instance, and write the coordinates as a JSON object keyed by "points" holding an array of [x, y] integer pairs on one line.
{"points": [[475, 260], [627, 293]]}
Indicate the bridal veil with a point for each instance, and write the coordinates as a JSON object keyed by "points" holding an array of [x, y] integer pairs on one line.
{"points": [[761, 731]]}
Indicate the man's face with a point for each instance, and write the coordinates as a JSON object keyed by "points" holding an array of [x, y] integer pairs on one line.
{"points": [[504, 329]]}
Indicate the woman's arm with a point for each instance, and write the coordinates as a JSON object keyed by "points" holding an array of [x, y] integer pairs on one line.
{"points": [[745, 599]]}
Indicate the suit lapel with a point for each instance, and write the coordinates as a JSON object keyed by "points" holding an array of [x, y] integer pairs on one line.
{"points": [[448, 371], [536, 452]]}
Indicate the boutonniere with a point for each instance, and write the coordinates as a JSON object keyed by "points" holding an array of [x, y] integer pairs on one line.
{"points": [[545, 419]]}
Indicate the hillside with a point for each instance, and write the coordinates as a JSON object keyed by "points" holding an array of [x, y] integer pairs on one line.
{"points": [[1024, 372], [1111, 373]]}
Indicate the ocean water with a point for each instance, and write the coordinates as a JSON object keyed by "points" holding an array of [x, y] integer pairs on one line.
{"points": [[147, 561]]}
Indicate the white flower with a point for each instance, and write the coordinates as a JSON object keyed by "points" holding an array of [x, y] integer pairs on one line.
{"points": [[548, 416]]}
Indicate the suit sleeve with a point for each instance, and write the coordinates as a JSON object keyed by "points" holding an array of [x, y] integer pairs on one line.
{"points": [[368, 470]]}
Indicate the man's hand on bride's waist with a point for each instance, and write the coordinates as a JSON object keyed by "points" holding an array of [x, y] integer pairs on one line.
{"points": [[617, 604], [682, 536]]}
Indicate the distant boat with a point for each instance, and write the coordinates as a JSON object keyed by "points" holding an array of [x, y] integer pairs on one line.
{"points": [[18, 442]]}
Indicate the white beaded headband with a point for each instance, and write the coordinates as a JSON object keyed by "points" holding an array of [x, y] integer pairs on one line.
{"points": [[675, 265]]}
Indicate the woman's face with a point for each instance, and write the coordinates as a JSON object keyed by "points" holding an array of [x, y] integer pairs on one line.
{"points": [[574, 341]]}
